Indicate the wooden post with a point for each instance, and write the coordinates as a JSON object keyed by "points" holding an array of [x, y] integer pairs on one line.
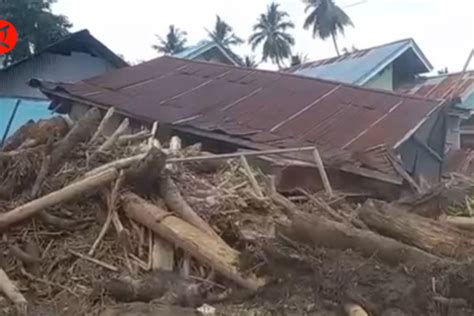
{"points": [[322, 172]]}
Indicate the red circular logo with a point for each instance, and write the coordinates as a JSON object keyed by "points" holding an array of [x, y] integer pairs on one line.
{"points": [[8, 36]]}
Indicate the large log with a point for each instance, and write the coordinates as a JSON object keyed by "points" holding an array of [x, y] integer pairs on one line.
{"points": [[201, 245], [67, 193], [322, 232], [175, 201], [430, 235], [11, 291]]}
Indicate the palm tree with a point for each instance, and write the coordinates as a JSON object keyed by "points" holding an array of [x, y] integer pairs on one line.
{"points": [[270, 30], [249, 62], [326, 19], [174, 43], [224, 34]]}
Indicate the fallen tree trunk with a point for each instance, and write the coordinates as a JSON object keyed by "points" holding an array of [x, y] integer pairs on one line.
{"points": [[320, 231], [67, 193], [427, 234], [199, 244], [175, 201], [80, 133]]}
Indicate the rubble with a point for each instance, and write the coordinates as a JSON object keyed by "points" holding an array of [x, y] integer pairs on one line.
{"points": [[123, 225]]}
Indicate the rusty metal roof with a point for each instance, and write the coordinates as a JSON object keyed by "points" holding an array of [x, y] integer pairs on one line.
{"points": [[442, 87], [260, 107]]}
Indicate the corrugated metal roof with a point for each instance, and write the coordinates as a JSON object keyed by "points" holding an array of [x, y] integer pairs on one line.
{"points": [[442, 87], [261, 107], [360, 66]]}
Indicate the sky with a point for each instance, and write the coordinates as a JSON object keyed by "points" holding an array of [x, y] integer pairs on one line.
{"points": [[445, 32]]}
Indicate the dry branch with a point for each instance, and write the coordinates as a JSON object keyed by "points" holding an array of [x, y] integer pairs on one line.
{"points": [[175, 201], [201, 245], [11, 291], [109, 143], [67, 193], [102, 125]]}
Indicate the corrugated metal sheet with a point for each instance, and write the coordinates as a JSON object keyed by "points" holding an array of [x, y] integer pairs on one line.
{"points": [[261, 107], [442, 87], [360, 66]]}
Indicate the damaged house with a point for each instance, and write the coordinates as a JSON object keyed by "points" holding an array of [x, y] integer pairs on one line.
{"points": [[75, 57], [361, 133]]}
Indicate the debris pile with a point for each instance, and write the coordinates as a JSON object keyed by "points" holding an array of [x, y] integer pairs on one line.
{"points": [[95, 225]]}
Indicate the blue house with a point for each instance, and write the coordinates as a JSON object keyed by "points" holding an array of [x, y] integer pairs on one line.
{"points": [[385, 67], [76, 57]]}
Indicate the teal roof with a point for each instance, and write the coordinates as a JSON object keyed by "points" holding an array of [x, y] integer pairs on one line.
{"points": [[360, 66], [195, 51], [27, 110]]}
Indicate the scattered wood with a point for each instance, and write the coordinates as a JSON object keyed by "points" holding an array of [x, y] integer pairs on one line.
{"points": [[461, 222], [162, 255], [251, 176], [97, 262], [320, 231], [424, 233], [67, 193], [100, 129], [10, 290], [81, 132], [322, 172], [109, 143], [111, 209], [23, 256], [324, 206], [140, 136], [200, 245], [175, 201], [354, 310]]}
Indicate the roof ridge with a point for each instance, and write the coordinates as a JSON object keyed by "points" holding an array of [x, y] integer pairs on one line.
{"points": [[393, 93], [408, 39]]}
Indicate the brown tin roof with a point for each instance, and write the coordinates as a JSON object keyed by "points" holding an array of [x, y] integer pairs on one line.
{"points": [[261, 107]]}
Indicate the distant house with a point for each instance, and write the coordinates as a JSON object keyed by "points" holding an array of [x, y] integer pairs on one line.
{"points": [[385, 67], [212, 52], [75, 57]]}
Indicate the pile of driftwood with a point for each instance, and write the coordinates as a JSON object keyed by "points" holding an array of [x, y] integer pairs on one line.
{"points": [[89, 221]]}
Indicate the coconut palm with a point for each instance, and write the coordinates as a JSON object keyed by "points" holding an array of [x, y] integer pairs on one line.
{"points": [[270, 31], [326, 19], [174, 43], [224, 34], [249, 62]]}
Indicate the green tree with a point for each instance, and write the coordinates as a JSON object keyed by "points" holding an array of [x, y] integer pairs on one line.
{"points": [[249, 62], [37, 26], [326, 20], [224, 34], [271, 31], [174, 43]]}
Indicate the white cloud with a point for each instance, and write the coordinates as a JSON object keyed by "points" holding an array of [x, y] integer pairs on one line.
{"points": [[445, 32]]}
